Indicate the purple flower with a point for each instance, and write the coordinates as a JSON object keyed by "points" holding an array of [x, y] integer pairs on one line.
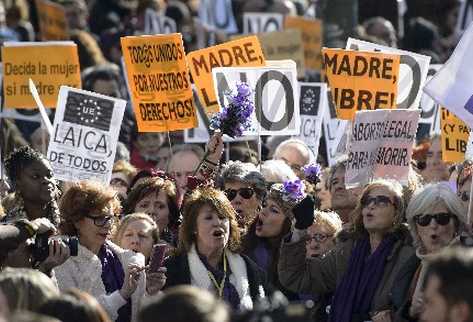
{"points": [[243, 90], [312, 172], [294, 190]]}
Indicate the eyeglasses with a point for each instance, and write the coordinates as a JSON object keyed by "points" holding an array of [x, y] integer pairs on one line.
{"points": [[464, 196], [246, 193], [379, 201], [101, 221], [318, 238], [441, 218]]}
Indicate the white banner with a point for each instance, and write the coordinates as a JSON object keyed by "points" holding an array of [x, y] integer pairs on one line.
{"points": [[258, 22], [84, 141], [158, 24], [380, 146], [430, 110], [334, 129], [413, 71], [275, 96], [218, 15]]}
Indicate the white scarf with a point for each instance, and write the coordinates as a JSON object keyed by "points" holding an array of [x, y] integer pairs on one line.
{"points": [[238, 278]]}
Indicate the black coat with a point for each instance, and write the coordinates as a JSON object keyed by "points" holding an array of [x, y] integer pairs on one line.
{"points": [[178, 273]]}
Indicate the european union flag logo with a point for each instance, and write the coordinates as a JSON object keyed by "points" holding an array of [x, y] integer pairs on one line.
{"points": [[89, 110]]}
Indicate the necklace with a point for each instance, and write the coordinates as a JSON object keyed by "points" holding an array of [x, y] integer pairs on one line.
{"points": [[220, 286]]}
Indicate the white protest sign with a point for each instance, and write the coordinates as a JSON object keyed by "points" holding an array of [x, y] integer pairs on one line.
{"points": [[334, 129], [258, 22], [380, 146], [218, 15], [158, 24], [275, 96], [465, 16], [469, 148], [413, 71], [430, 110], [312, 106], [84, 140]]}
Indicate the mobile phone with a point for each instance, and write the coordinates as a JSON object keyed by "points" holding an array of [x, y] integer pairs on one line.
{"points": [[157, 257]]}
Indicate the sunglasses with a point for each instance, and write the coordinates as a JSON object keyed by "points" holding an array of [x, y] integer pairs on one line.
{"points": [[424, 220], [246, 193], [318, 238], [101, 221], [464, 196], [379, 201]]}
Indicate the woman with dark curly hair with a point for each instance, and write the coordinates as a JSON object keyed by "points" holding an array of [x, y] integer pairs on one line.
{"points": [[208, 253]]}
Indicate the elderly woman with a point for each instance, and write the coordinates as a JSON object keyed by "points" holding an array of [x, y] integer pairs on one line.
{"points": [[111, 274], [245, 187], [321, 235], [137, 232], [156, 197], [207, 256], [436, 217], [361, 269]]}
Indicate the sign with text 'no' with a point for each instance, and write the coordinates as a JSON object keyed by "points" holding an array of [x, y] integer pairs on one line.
{"points": [[275, 96], [258, 22], [159, 82], [380, 146], [83, 143], [49, 64], [218, 15], [244, 52], [361, 80]]}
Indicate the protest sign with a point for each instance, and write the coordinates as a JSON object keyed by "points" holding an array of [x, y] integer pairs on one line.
{"points": [[430, 110], [159, 82], [311, 38], [412, 72], [287, 44], [244, 52], [454, 137], [361, 80], [275, 96], [312, 105], [469, 147], [158, 24], [380, 146], [451, 85], [333, 128], [84, 140], [48, 64], [218, 15], [52, 20], [259, 22]]}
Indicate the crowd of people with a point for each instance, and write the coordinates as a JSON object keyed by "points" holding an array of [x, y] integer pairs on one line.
{"points": [[215, 232]]}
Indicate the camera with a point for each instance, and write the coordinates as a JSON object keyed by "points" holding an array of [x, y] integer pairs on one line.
{"points": [[40, 249]]}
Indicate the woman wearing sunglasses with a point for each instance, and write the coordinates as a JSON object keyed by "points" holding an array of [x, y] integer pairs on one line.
{"points": [[361, 270], [111, 274], [435, 216]]}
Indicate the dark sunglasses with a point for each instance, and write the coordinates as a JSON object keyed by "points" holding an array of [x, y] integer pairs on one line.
{"points": [[318, 238], [379, 201], [246, 193], [424, 220], [464, 196], [101, 221]]}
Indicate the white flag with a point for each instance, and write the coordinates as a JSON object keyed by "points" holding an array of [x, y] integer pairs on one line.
{"points": [[452, 85]]}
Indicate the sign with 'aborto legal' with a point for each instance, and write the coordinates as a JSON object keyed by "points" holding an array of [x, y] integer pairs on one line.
{"points": [[84, 140], [361, 80], [380, 146], [159, 83], [49, 64]]}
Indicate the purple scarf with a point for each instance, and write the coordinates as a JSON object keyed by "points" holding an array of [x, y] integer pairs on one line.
{"points": [[356, 290]]}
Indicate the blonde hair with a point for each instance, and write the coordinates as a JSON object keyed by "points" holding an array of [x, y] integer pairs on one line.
{"points": [[329, 219], [128, 219]]}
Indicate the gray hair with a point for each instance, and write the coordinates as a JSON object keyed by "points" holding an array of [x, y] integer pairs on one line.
{"points": [[237, 171], [425, 199], [277, 171]]}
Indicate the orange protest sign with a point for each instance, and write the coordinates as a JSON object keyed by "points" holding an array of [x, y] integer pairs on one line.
{"points": [[311, 38], [361, 80], [159, 82], [52, 20], [244, 52], [48, 64], [455, 135]]}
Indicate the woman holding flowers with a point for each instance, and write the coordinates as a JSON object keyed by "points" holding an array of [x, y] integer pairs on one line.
{"points": [[362, 268]]}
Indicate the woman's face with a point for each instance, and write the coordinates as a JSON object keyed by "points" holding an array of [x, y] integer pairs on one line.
{"points": [[270, 220], [212, 232], [148, 144], [155, 205], [119, 185], [94, 228], [320, 240], [137, 236], [434, 236], [435, 169], [378, 210], [244, 201], [36, 183], [323, 194]]}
